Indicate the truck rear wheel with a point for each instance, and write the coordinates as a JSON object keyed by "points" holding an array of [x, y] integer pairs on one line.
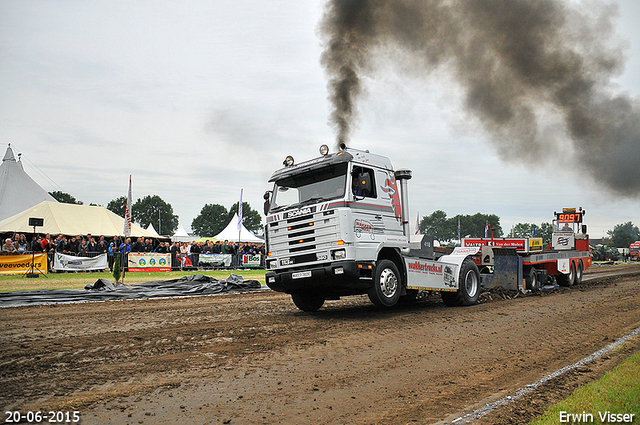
{"points": [[308, 302], [469, 286], [386, 284]]}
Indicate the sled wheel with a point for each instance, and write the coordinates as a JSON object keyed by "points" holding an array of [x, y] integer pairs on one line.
{"points": [[568, 279], [532, 281], [579, 273], [307, 302], [386, 284]]}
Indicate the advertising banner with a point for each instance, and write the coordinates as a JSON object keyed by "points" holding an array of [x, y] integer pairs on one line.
{"points": [[535, 244], [217, 260], [21, 264], [70, 263], [149, 262], [250, 261], [518, 243]]}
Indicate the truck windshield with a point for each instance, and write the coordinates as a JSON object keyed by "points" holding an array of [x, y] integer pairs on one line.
{"points": [[310, 187]]}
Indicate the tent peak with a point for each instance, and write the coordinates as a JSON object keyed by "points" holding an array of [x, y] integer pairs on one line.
{"points": [[8, 155]]}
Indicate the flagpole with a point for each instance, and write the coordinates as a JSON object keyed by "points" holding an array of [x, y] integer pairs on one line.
{"points": [[127, 231], [240, 217]]}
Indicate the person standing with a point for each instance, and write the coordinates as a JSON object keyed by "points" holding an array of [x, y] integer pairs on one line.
{"points": [[195, 253]]}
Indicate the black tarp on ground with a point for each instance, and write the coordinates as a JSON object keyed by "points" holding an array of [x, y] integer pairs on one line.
{"points": [[103, 290]]}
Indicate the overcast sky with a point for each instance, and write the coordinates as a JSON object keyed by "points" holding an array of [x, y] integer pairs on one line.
{"points": [[199, 99]]}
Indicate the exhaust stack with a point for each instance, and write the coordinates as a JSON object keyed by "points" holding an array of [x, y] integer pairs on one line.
{"points": [[403, 176]]}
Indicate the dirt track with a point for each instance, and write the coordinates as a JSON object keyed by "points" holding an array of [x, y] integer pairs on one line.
{"points": [[254, 358]]}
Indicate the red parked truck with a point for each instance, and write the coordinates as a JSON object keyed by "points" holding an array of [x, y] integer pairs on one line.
{"points": [[634, 251]]}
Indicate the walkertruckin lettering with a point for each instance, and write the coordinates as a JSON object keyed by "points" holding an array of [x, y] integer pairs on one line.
{"points": [[431, 268]]}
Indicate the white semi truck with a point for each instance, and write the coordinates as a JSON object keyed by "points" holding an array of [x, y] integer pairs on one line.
{"points": [[337, 225]]}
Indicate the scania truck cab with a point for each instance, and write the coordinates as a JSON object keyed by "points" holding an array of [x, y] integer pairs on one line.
{"points": [[336, 225]]}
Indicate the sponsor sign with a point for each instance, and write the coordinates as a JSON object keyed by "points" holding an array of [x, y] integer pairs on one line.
{"points": [[21, 264], [251, 261], [472, 250], [220, 260], [431, 274], [518, 243], [564, 266], [561, 241], [149, 262], [535, 244], [65, 262]]}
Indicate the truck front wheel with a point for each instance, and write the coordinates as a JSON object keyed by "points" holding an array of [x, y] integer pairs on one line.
{"points": [[386, 284], [308, 302]]}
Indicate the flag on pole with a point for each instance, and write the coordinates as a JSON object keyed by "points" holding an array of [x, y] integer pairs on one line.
{"points": [[240, 214], [127, 213], [417, 223], [486, 230], [459, 228]]}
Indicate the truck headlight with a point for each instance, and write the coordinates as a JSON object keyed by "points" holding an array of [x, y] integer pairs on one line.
{"points": [[339, 254]]}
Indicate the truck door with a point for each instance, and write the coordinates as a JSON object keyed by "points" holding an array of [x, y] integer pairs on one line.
{"points": [[376, 204], [389, 197]]}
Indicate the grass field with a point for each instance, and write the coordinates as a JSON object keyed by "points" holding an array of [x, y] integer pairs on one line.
{"points": [[10, 283], [617, 393]]}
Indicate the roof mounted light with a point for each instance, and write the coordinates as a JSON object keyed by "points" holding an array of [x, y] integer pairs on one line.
{"points": [[324, 150], [342, 146], [288, 161]]}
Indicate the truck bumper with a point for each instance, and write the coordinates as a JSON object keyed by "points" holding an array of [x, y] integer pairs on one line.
{"points": [[336, 279]]}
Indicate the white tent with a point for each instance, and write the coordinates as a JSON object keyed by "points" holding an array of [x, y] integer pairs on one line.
{"points": [[18, 191], [231, 233], [181, 235], [71, 219], [152, 229]]}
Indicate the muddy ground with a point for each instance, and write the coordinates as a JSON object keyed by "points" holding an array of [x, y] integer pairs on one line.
{"points": [[255, 358]]}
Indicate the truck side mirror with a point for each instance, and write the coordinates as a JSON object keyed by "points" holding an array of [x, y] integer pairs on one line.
{"points": [[364, 184], [267, 202]]}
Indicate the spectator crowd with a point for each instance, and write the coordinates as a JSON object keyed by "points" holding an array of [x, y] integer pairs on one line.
{"points": [[89, 246]]}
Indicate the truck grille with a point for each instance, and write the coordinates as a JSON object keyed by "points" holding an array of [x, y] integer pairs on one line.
{"points": [[303, 240]]}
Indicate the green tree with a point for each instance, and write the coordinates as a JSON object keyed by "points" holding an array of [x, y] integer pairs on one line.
{"points": [[251, 219], [152, 209], [474, 225], [445, 229], [213, 218], [118, 206], [526, 230], [545, 232], [437, 225], [65, 198], [624, 234], [523, 230]]}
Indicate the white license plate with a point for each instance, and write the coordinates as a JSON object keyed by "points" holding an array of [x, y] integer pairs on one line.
{"points": [[300, 275]]}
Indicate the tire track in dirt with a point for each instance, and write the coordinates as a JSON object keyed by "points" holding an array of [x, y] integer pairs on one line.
{"points": [[255, 358]]}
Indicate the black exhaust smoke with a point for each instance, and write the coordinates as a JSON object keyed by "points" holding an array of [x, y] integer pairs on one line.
{"points": [[536, 74]]}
